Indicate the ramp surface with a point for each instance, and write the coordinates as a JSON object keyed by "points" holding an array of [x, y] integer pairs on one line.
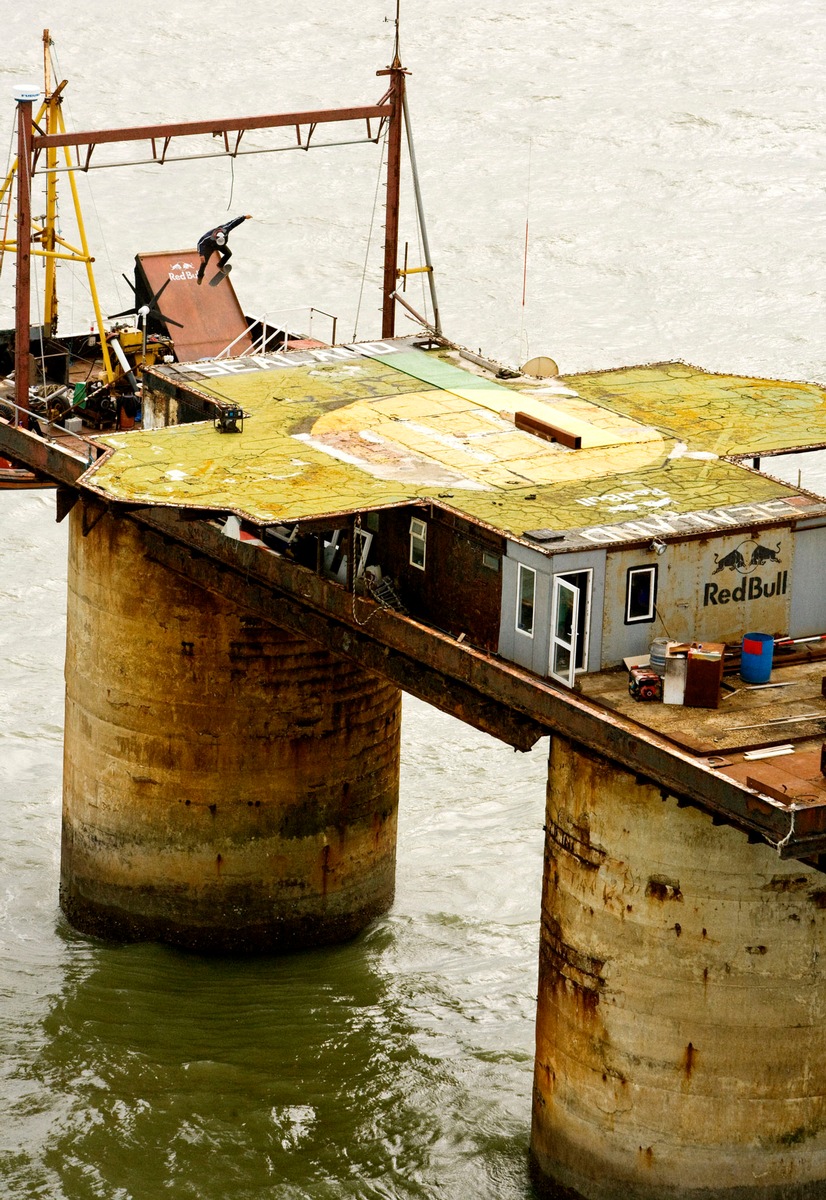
{"points": [[211, 317]]}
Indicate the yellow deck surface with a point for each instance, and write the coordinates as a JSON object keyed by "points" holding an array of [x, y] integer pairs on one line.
{"points": [[724, 414], [332, 437]]}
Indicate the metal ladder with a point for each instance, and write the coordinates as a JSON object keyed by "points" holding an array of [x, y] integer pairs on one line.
{"points": [[385, 594]]}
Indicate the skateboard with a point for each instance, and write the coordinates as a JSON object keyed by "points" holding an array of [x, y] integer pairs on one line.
{"points": [[219, 275]]}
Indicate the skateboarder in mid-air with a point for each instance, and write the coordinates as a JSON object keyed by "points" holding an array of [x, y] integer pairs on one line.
{"points": [[216, 240]]}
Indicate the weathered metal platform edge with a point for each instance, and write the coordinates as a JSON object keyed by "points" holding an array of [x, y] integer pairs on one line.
{"points": [[47, 457], [494, 695]]}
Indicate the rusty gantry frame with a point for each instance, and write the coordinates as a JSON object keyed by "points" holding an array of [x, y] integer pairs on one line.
{"points": [[389, 112]]}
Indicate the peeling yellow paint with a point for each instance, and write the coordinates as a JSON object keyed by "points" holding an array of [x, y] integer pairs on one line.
{"points": [[727, 414], [324, 438]]}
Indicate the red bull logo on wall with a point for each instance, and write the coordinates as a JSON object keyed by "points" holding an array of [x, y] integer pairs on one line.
{"points": [[746, 560]]}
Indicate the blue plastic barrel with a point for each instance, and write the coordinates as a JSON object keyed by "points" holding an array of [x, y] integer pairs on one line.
{"points": [[756, 659]]}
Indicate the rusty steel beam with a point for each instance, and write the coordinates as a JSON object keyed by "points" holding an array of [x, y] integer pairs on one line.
{"points": [[391, 229], [347, 641], [468, 670], [139, 133], [48, 458]]}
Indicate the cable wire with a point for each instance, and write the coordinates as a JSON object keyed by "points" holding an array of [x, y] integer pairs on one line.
{"points": [[370, 235], [232, 183]]}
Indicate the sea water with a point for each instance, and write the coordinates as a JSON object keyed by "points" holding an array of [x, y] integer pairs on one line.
{"points": [[610, 184]]}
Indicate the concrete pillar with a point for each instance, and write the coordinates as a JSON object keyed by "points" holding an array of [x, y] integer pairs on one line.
{"points": [[227, 786], [681, 1021]]}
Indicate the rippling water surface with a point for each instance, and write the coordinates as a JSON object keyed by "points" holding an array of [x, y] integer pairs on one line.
{"points": [[398, 1065], [668, 159]]}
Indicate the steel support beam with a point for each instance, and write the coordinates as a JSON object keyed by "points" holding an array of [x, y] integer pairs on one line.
{"points": [[643, 752], [48, 458], [141, 133], [347, 641], [391, 229]]}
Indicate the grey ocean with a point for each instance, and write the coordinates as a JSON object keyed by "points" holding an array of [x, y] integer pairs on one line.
{"points": [[668, 161]]}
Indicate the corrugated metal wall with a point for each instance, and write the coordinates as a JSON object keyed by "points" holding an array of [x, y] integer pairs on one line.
{"points": [[708, 589], [808, 576], [533, 652]]}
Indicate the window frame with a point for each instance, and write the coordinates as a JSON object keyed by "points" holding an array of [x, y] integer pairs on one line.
{"points": [[418, 537], [651, 570], [582, 582], [523, 571]]}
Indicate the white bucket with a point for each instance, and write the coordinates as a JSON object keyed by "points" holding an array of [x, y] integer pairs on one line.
{"points": [[656, 655]]}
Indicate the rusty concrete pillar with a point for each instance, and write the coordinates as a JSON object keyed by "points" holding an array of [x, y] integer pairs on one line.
{"points": [[681, 1021], [227, 786]]}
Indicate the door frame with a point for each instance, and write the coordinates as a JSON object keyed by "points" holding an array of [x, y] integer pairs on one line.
{"points": [[579, 644]]}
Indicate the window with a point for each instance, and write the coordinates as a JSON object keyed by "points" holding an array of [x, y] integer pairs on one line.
{"points": [[418, 542], [491, 561], [361, 548], [335, 552], [640, 595], [525, 594]]}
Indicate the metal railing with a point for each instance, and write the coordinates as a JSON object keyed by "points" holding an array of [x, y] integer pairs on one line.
{"points": [[272, 331]]}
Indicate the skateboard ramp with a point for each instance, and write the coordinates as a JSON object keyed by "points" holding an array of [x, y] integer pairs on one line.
{"points": [[209, 318]]}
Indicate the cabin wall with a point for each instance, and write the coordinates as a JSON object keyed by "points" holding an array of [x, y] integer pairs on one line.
{"points": [[710, 589], [808, 603], [459, 590], [533, 651], [621, 639], [528, 650]]}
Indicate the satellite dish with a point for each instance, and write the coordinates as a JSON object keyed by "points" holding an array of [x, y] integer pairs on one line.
{"points": [[541, 367]]}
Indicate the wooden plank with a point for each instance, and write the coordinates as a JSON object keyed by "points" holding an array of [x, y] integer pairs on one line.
{"points": [[775, 781], [546, 431]]}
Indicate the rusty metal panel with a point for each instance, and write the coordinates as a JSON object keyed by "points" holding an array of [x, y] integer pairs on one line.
{"points": [[712, 589], [60, 463], [211, 317]]}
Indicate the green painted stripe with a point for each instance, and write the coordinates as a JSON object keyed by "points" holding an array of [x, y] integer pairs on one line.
{"points": [[429, 369]]}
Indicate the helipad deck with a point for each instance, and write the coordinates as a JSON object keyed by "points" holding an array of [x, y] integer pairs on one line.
{"points": [[365, 427]]}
